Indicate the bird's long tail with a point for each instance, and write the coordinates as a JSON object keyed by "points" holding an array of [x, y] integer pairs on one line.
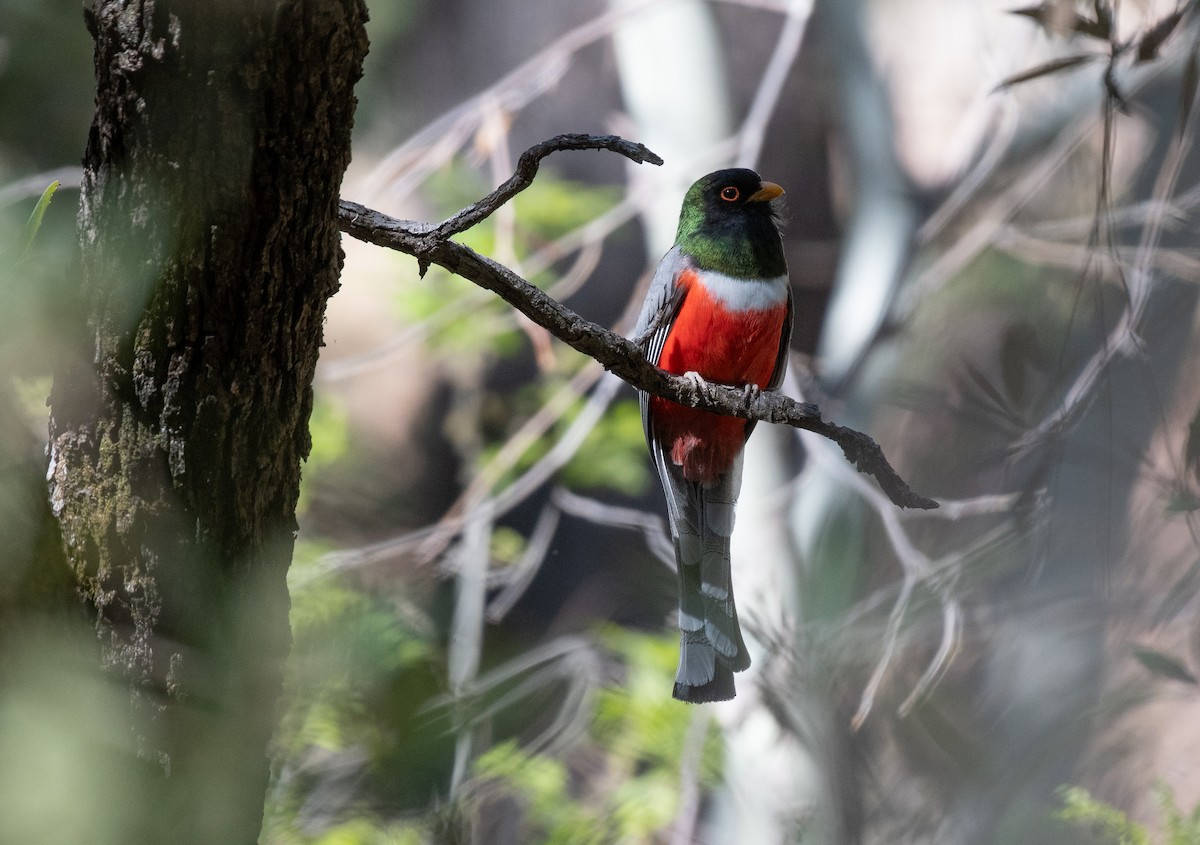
{"points": [[711, 647]]}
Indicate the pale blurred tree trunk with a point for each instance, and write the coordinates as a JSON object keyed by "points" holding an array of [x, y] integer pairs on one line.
{"points": [[179, 420]]}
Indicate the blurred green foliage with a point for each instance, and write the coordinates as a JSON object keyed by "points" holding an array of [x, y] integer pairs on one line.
{"points": [[356, 655], [70, 761], [552, 206], [613, 455], [1111, 825], [634, 748], [35, 251], [353, 650], [329, 428], [46, 86], [507, 545], [459, 318]]}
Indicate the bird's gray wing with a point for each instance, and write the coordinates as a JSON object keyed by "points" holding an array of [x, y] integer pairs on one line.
{"points": [[785, 341], [663, 301]]}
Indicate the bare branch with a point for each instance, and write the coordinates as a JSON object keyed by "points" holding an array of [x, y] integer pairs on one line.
{"points": [[616, 353], [527, 168]]}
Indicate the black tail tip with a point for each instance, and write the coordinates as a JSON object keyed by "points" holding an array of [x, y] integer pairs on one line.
{"points": [[720, 688]]}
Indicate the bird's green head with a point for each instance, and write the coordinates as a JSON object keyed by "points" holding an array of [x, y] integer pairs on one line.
{"points": [[728, 225]]}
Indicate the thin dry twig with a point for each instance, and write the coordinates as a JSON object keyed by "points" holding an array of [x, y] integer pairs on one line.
{"points": [[999, 211], [429, 541], [1075, 256], [1124, 339], [918, 569], [658, 540], [525, 569], [754, 128], [617, 354], [410, 163], [438, 536]]}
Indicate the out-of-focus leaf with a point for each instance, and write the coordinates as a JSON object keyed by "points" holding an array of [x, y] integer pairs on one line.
{"points": [[553, 206], [35, 219], [613, 455], [1177, 598], [1017, 349], [1048, 69], [636, 731], [1104, 18], [1163, 665], [329, 428], [1059, 19], [1191, 449], [1183, 502], [990, 399], [1187, 89], [985, 384], [30, 394], [1040, 14], [1012, 369], [1150, 43], [1079, 807], [507, 545]]}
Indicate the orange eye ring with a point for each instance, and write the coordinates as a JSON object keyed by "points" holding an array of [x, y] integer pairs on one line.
{"points": [[730, 194]]}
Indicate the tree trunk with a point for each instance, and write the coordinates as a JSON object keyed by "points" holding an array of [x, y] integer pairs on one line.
{"points": [[208, 223]]}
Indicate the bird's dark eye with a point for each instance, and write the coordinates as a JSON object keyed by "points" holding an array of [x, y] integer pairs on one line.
{"points": [[730, 194]]}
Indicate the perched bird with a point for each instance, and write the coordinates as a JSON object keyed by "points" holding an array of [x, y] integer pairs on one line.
{"points": [[719, 310]]}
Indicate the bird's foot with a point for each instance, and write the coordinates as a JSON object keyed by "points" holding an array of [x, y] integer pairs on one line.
{"points": [[700, 389], [750, 392]]}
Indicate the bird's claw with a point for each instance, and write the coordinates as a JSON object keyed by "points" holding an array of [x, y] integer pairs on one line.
{"points": [[698, 388], [702, 389]]}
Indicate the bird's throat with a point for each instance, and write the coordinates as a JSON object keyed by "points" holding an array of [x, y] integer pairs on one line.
{"points": [[752, 251]]}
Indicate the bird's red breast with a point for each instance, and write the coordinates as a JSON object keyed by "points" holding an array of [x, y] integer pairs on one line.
{"points": [[726, 345]]}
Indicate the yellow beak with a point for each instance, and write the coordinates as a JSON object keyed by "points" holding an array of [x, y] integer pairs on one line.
{"points": [[768, 191]]}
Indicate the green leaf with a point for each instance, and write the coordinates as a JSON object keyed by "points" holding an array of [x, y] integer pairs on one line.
{"points": [[1163, 665], [1048, 69], [35, 219]]}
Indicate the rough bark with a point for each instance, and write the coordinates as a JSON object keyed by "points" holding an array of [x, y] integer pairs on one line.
{"points": [[208, 224]]}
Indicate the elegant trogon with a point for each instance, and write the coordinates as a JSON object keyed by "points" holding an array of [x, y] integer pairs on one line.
{"points": [[719, 310]]}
